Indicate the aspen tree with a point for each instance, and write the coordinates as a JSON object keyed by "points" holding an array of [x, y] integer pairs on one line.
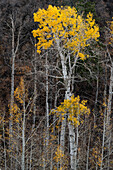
{"points": [[110, 97], [76, 111], [19, 122], [14, 52], [34, 101], [20, 96], [69, 33]]}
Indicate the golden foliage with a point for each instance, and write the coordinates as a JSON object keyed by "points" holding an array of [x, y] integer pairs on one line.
{"points": [[96, 156], [19, 96], [60, 158], [74, 108], [58, 154], [65, 25], [19, 92], [111, 27]]}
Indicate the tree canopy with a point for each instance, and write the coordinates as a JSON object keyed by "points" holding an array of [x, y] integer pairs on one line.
{"points": [[64, 26]]}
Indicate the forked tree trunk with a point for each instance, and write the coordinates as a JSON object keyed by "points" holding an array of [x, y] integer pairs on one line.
{"points": [[67, 75], [73, 147]]}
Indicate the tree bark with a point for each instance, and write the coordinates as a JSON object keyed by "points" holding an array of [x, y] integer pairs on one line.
{"points": [[5, 158], [23, 133], [12, 92], [104, 130], [109, 108], [14, 51], [47, 104]]}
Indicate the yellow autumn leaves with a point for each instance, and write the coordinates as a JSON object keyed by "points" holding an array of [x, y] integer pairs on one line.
{"points": [[111, 28], [61, 158], [72, 30], [19, 96], [19, 91], [74, 108]]}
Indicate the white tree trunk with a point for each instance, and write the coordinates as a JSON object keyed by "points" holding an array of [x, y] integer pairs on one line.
{"points": [[35, 87], [104, 131], [5, 158], [67, 75], [47, 105], [109, 109], [23, 133], [51, 164], [73, 147], [12, 92], [110, 95], [87, 160], [14, 51], [34, 107], [31, 152]]}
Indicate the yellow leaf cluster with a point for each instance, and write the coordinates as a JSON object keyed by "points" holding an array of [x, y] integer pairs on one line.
{"points": [[16, 113], [96, 154], [19, 92], [82, 56], [74, 108], [73, 31], [60, 157], [58, 154], [19, 96], [111, 27]]}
